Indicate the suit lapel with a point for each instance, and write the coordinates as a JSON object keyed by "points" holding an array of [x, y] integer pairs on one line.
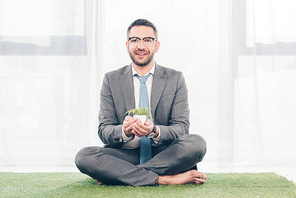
{"points": [[127, 87], [159, 81]]}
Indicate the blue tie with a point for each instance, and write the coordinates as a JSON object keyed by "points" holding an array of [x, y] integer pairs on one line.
{"points": [[145, 143]]}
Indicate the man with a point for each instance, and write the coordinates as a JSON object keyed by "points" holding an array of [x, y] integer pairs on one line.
{"points": [[174, 152]]}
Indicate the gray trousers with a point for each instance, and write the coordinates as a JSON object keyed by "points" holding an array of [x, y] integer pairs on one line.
{"points": [[121, 166]]}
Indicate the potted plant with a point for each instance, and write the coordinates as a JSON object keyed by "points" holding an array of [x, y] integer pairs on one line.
{"points": [[142, 113]]}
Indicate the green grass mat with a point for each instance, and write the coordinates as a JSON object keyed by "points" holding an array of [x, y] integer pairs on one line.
{"points": [[79, 185]]}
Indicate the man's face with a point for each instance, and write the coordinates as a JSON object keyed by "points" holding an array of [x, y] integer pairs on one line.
{"points": [[142, 54]]}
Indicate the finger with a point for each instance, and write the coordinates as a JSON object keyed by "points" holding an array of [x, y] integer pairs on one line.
{"points": [[127, 118], [147, 128], [136, 132], [148, 122], [128, 129], [141, 126], [129, 123], [138, 120]]}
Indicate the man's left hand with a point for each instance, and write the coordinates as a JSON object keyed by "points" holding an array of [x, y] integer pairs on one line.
{"points": [[141, 130]]}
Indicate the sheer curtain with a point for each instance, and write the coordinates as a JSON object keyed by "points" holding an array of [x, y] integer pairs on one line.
{"points": [[48, 80], [241, 84], [264, 89]]}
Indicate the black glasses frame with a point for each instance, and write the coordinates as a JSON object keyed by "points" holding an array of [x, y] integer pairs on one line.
{"points": [[153, 39]]}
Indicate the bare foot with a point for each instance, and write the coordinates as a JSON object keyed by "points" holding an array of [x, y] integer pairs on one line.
{"points": [[189, 177], [99, 183]]}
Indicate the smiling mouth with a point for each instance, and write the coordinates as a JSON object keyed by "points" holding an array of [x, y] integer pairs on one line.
{"points": [[141, 53]]}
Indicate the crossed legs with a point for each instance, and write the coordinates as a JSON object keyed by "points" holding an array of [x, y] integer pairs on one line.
{"points": [[170, 165]]}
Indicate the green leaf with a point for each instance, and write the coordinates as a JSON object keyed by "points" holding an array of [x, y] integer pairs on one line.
{"points": [[140, 111]]}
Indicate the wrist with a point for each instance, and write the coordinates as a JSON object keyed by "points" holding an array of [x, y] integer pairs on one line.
{"points": [[125, 137], [128, 134], [154, 133]]}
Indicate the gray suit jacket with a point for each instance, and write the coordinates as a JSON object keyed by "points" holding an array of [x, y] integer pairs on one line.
{"points": [[169, 104]]}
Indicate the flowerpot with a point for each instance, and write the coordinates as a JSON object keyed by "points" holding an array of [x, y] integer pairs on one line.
{"points": [[142, 118]]}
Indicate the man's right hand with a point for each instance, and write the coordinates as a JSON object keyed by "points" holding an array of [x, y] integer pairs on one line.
{"points": [[128, 125]]}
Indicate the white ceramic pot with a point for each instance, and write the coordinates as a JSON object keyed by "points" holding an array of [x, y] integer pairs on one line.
{"points": [[142, 118]]}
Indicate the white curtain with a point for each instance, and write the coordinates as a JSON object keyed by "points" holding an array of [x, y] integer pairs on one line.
{"points": [[264, 89], [241, 80]]}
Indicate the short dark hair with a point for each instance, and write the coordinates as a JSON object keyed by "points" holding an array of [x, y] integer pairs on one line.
{"points": [[142, 22]]}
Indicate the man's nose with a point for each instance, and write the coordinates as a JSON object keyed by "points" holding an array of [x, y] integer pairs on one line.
{"points": [[141, 44]]}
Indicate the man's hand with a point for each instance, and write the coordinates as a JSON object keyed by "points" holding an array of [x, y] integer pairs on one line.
{"points": [[140, 129], [128, 124]]}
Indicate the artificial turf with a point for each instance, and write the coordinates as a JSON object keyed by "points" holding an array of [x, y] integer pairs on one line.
{"points": [[79, 185]]}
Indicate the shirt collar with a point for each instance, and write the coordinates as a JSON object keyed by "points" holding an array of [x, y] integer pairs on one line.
{"points": [[151, 71]]}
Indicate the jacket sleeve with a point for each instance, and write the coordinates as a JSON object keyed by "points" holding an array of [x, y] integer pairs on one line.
{"points": [[110, 128]]}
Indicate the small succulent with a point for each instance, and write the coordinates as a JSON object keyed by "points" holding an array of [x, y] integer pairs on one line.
{"points": [[140, 111]]}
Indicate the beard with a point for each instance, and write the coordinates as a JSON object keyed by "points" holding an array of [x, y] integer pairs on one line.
{"points": [[141, 64]]}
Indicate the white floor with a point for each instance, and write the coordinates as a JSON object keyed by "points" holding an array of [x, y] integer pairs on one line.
{"points": [[287, 171]]}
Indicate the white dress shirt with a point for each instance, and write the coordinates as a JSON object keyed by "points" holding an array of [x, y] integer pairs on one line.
{"points": [[134, 141]]}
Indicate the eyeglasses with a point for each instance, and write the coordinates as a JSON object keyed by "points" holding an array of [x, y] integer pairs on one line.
{"points": [[148, 41]]}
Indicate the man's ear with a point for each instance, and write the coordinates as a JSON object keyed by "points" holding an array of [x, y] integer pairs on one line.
{"points": [[157, 46], [126, 44]]}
